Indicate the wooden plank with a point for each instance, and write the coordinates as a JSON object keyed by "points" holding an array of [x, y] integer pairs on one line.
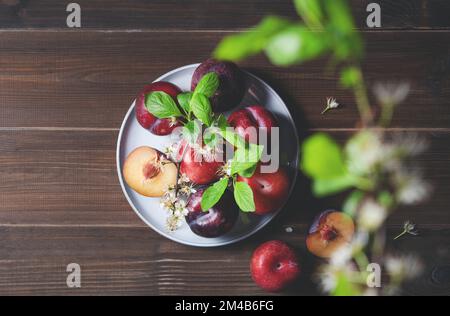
{"points": [[63, 178], [135, 261], [205, 14], [68, 178], [90, 78]]}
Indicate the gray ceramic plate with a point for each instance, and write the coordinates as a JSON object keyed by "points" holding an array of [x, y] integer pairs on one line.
{"points": [[132, 135]]}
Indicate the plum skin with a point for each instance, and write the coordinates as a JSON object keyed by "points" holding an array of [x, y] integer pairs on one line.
{"points": [[232, 83], [255, 116], [274, 265], [215, 222]]}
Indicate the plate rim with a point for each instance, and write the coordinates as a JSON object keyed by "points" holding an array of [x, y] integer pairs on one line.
{"points": [[167, 234]]}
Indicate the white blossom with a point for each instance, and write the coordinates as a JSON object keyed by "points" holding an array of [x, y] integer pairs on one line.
{"points": [[331, 104], [364, 151], [371, 215], [391, 93], [405, 267], [411, 188]]}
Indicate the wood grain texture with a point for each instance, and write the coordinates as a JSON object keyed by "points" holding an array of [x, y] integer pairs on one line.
{"points": [[136, 261], [61, 204], [90, 78], [69, 178], [206, 14]]}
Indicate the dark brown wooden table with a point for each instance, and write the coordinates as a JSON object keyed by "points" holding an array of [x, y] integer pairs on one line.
{"points": [[64, 93]]}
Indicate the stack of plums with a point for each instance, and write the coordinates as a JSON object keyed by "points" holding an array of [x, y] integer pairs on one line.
{"points": [[149, 172]]}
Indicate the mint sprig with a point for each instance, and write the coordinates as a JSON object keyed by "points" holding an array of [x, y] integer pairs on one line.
{"points": [[201, 107], [246, 158], [195, 110], [213, 194], [184, 100], [161, 105], [243, 195], [207, 85]]}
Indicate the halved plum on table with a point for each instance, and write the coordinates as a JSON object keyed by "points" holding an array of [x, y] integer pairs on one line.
{"points": [[231, 83], [149, 121], [214, 222], [329, 231], [270, 190], [248, 122], [148, 172]]}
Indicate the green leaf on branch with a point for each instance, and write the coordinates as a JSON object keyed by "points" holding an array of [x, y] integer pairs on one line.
{"points": [[251, 42], [184, 100], [322, 158], [213, 194], [296, 44], [201, 107], [161, 105], [323, 187], [208, 84], [350, 77], [347, 42], [311, 12], [243, 195]]}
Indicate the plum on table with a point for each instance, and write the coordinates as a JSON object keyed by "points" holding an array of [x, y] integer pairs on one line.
{"points": [[231, 83]]}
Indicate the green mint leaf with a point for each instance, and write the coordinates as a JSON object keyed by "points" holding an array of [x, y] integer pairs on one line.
{"points": [[252, 42], [246, 158], [208, 84], [243, 195], [248, 173], [234, 139], [184, 100], [322, 158], [210, 139], [161, 105], [191, 131], [295, 45], [201, 107], [213, 194], [221, 122]]}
